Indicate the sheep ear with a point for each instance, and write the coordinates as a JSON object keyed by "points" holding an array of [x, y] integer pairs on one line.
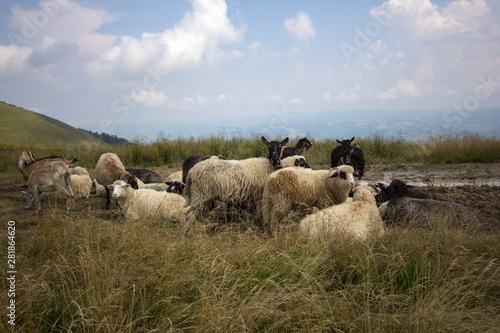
{"points": [[335, 172], [284, 142], [339, 141], [110, 187], [168, 183], [351, 140], [264, 141]]}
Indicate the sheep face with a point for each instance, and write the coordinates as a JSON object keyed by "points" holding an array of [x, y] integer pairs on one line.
{"points": [[274, 148], [397, 188], [345, 173], [131, 180], [175, 186], [301, 162], [118, 188]]}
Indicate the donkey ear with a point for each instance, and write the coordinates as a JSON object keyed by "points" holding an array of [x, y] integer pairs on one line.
{"points": [[265, 141]]}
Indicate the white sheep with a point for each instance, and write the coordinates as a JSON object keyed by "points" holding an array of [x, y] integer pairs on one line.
{"points": [[358, 220], [298, 188], [80, 183], [144, 203], [108, 169], [48, 177], [174, 175], [229, 181], [97, 189]]}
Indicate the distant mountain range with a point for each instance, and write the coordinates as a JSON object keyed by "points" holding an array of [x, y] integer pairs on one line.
{"points": [[409, 124]]}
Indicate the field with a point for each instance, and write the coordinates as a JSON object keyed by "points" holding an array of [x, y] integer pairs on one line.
{"points": [[92, 272]]}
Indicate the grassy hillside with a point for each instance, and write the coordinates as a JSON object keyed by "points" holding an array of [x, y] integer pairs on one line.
{"points": [[24, 127]]}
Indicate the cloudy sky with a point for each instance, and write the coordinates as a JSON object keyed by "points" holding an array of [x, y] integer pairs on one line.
{"points": [[97, 64]]}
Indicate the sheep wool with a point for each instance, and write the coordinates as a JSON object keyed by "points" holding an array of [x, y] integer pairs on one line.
{"points": [[357, 220], [146, 203], [229, 181], [80, 184], [294, 187], [174, 175], [109, 168]]}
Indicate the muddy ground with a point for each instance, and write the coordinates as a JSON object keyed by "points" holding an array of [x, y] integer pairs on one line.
{"points": [[449, 179]]}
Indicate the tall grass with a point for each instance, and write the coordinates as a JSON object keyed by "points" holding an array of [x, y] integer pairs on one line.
{"points": [[444, 148], [85, 274]]}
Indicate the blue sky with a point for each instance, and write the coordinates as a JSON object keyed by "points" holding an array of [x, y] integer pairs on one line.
{"points": [[100, 64]]}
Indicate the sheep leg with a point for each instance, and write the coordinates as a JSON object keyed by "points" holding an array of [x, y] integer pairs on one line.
{"points": [[66, 190], [36, 198], [108, 197], [277, 213], [189, 217]]}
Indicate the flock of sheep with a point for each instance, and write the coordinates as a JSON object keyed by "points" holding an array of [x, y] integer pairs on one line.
{"points": [[279, 190]]}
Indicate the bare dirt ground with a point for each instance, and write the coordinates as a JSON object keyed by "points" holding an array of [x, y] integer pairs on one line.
{"points": [[475, 185]]}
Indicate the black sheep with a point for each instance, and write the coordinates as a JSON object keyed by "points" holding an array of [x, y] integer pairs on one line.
{"points": [[348, 155], [301, 146], [147, 176], [426, 213], [191, 161], [398, 189]]}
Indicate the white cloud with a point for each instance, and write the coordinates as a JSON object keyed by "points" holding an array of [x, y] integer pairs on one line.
{"points": [[149, 97], [436, 49], [192, 41], [403, 87], [407, 88], [224, 98], [326, 96], [275, 98], [388, 94], [296, 101], [351, 95], [13, 60], [300, 27], [65, 20]]}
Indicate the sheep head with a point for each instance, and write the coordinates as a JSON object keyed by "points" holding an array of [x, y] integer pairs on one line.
{"points": [[343, 172], [274, 148], [301, 162], [175, 186], [119, 189], [129, 179], [396, 189]]}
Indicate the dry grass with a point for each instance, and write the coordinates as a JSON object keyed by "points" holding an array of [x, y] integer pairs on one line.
{"points": [[444, 148], [91, 272]]}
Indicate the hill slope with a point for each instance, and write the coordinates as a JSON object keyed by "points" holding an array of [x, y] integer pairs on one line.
{"points": [[22, 126]]}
